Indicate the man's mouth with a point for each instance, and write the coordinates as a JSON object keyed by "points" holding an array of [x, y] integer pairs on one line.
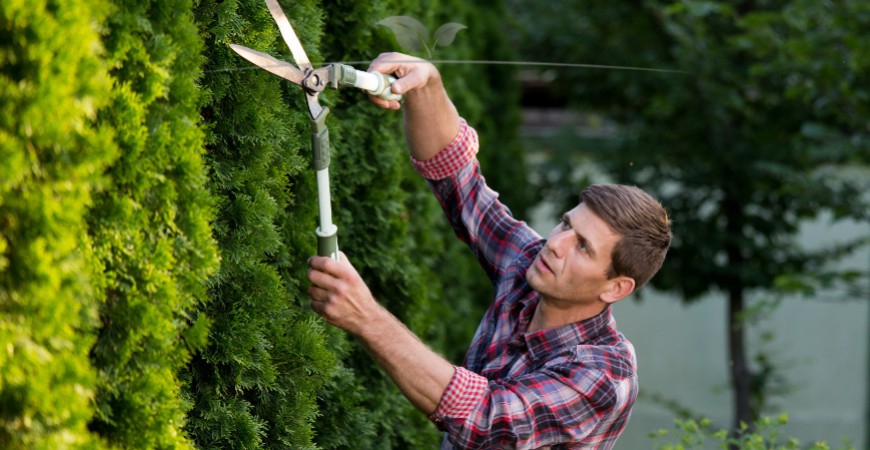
{"points": [[543, 265]]}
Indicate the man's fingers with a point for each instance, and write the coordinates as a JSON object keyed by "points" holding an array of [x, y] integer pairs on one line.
{"points": [[329, 274], [411, 73], [321, 300], [321, 284], [325, 264], [318, 294], [389, 62], [386, 104], [416, 76], [331, 266]]}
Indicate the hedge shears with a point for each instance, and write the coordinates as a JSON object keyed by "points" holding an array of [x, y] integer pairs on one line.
{"points": [[313, 81]]}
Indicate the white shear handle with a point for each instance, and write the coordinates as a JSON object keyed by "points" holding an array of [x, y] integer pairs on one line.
{"points": [[376, 84]]}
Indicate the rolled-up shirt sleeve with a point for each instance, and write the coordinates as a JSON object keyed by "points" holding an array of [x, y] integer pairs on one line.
{"points": [[449, 160], [464, 392]]}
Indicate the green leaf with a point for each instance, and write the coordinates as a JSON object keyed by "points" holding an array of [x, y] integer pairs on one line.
{"points": [[196, 337], [410, 33], [445, 34]]}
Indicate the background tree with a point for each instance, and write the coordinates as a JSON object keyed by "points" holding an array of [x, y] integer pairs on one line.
{"points": [[742, 148], [51, 158]]}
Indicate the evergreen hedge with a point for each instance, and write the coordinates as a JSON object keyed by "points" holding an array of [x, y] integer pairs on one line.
{"points": [[400, 242], [389, 226], [255, 384], [51, 158], [136, 148], [150, 226], [157, 210]]}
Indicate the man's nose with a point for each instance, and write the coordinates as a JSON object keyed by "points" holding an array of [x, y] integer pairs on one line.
{"points": [[559, 241]]}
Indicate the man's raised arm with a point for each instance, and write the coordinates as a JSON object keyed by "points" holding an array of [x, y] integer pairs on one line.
{"points": [[431, 120]]}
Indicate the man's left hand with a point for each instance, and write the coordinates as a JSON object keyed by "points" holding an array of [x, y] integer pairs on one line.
{"points": [[340, 295]]}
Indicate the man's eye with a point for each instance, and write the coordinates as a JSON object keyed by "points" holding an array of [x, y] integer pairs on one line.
{"points": [[582, 246], [565, 224]]}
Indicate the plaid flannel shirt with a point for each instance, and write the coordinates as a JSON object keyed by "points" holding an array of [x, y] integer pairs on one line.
{"points": [[567, 388]]}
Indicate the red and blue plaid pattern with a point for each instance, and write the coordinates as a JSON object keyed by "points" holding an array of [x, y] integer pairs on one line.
{"points": [[567, 388]]}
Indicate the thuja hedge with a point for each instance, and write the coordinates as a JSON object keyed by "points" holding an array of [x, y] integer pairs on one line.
{"points": [[268, 360], [255, 384], [157, 210], [51, 157], [151, 225], [106, 243]]}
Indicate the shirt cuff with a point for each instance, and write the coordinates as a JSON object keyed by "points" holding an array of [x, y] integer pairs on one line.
{"points": [[451, 158], [464, 392]]}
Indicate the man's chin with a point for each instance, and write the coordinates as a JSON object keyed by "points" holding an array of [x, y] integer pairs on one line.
{"points": [[533, 278]]}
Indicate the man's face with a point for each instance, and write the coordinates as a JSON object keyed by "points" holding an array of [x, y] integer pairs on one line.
{"points": [[572, 266]]}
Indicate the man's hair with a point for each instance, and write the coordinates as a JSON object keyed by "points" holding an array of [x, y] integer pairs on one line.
{"points": [[642, 223]]}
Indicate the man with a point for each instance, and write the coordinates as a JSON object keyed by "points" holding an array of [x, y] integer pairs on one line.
{"points": [[547, 367]]}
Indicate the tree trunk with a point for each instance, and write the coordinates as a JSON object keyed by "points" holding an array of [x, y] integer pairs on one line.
{"points": [[740, 375]]}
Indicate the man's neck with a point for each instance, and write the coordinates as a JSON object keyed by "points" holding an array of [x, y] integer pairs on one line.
{"points": [[554, 314]]}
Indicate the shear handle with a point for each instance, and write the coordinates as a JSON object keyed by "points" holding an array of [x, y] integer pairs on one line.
{"points": [[375, 83]]}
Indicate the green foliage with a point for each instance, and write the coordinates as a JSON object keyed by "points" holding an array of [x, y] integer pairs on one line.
{"points": [[391, 227], [699, 434], [255, 384], [148, 128], [51, 157], [150, 227]]}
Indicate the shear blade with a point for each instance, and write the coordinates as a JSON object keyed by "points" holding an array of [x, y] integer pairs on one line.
{"points": [[289, 35], [267, 62]]}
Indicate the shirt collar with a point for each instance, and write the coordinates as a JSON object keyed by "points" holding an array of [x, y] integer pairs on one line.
{"points": [[544, 342]]}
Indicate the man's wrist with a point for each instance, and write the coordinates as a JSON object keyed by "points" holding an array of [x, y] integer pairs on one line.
{"points": [[434, 88], [377, 326]]}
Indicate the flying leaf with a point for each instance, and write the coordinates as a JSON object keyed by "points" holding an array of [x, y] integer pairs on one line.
{"points": [[445, 34], [410, 33]]}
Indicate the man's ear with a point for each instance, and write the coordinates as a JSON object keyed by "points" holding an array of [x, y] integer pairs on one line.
{"points": [[617, 289]]}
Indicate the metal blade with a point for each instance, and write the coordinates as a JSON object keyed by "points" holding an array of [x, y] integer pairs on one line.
{"points": [[267, 62], [289, 35]]}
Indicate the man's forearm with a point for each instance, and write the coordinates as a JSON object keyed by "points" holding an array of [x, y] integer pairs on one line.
{"points": [[340, 296], [421, 374], [431, 119]]}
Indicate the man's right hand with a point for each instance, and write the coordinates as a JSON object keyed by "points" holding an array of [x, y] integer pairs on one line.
{"points": [[431, 120], [411, 73]]}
